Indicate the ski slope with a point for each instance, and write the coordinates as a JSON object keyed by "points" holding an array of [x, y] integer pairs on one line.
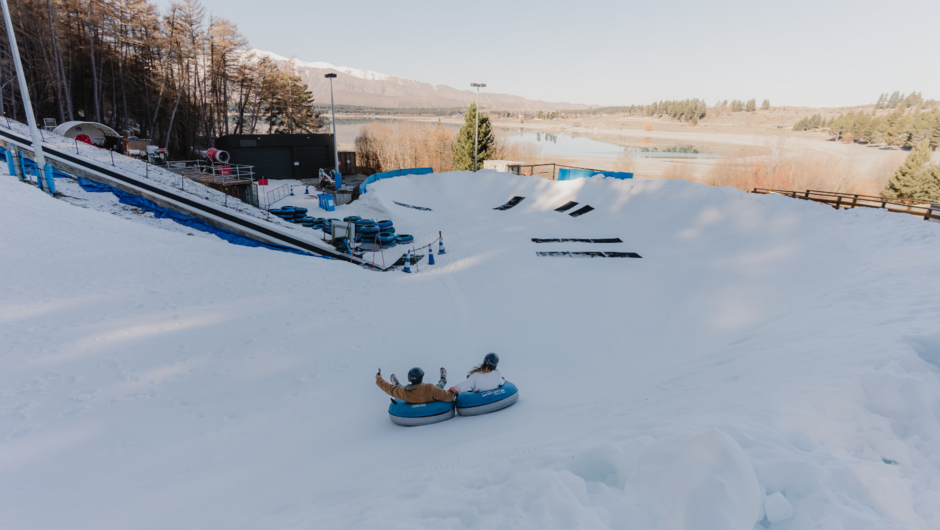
{"points": [[767, 363]]}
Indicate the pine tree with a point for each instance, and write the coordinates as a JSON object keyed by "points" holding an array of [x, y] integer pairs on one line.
{"points": [[894, 99], [928, 188], [907, 180], [751, 105], [291, 109], [463, 144], [765, 105]]}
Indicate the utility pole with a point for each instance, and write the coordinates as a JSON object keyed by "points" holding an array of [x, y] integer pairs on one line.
{"points": [[329, 76], [24, 92], [476, 132]]}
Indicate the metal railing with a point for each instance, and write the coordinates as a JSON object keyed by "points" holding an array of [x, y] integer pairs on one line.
{"points": [[924, 209]]}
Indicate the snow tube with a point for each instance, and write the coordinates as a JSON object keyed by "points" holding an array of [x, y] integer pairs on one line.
{"points": [[368, 230], [384, 224], [475, 403], [387, 239], [365, 222], [412, 415], [404, 238], [390, 230], [352, 218]]}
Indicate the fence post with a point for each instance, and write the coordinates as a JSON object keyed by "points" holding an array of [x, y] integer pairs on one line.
{"points": [[838, 202]]}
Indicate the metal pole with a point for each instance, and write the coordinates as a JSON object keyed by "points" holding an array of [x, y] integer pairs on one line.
{"points": [[476, 132], [333, 112], [24, 92]]}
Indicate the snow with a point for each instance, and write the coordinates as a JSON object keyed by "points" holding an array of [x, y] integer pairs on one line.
{"points": [[355, 72], [764, 353]]}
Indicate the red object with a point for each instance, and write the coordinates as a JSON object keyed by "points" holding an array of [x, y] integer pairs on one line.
{"points": [[85, 139], [262, 182], [225, 170]]}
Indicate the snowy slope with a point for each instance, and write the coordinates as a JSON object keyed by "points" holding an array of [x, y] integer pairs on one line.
{"points": [[766, 356]]}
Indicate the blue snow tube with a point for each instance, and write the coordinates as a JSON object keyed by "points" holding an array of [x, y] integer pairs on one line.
{"points": [[475, 403], [367, 230], [387, 239], [404, 239], [384, 224], [365, 222], [412, 415], [352, 218]]}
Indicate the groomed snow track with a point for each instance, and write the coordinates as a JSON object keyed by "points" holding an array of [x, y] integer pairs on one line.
{"points": [[191, 206]]}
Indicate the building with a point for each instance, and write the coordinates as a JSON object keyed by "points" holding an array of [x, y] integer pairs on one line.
{"points": [[504, 166], [285, 156]]}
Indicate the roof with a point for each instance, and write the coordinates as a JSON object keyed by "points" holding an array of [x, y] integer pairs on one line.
{"points": [[107, 131]]}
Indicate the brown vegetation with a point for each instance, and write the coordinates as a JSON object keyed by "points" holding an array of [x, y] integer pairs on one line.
{"points": [[648, 127], [679, 170]]}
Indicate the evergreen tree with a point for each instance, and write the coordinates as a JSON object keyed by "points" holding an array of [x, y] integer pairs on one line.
{"points": [[928, 188], [908, 180], [751, 105], [463, 144], [290, 110], [881, 101], [765, 105], [894, 99]]}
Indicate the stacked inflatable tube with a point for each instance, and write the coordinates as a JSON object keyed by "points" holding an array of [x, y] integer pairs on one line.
{"points": [[412, 415], [475, 403]]}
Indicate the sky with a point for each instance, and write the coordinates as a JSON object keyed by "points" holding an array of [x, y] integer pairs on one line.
{"points": [[798, 53]]}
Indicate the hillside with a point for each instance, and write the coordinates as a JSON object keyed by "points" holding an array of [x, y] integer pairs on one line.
{"points": [[758, 367], [353, 86]]}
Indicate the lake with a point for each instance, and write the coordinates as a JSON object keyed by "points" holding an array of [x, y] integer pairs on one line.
{"points": [[552, 144]]}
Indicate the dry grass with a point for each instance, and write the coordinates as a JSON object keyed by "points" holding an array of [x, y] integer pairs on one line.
{"points": [[626, 162], [679, 171], [388, 146]]}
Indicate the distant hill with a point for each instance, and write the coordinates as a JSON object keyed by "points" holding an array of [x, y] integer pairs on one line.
{"points": [[353, 86]]}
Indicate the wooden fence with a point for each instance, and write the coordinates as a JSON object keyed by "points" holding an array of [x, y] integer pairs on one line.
{"points": [[926, 210]]}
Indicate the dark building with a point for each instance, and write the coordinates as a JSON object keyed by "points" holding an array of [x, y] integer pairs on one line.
{"points": [[280, 156]]}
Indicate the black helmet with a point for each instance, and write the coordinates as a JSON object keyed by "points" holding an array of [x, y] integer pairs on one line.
{"points": [[415, 376], [491, 360]]}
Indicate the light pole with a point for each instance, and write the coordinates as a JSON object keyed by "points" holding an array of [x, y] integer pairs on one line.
{"points": [[329, 76], [476, 132], [24, 93]]}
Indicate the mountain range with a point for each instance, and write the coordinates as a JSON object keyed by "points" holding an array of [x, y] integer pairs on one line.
{"points": [[353, 86]]}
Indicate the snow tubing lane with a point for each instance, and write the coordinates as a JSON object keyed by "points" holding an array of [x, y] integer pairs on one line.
{"points": [[413, 415], [160, 192], [476, 403]]}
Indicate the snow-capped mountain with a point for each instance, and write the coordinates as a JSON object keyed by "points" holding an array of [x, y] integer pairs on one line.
{"points": [[354, 86]]}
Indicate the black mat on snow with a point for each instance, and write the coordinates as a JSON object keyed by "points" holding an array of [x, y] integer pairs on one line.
{"points": [[512, 202], [401, 261], [606, 240], [589, 254], [567, 206], [581, 211], [415, 207]]}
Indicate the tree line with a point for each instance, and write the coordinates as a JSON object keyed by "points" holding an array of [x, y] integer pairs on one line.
{"points": [[177, 76]]}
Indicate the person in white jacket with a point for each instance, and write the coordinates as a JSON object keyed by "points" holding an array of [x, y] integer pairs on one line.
{"points": [[482, 378]]}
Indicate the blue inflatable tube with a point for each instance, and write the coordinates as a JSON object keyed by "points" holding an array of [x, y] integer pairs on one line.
{"points": [[412, 415], [404, 238], [476, 403], [384, 224]]}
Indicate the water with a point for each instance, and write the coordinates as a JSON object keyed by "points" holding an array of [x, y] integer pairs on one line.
{"points": [[552, 144]]}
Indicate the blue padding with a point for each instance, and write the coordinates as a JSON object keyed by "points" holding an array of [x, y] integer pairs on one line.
{"points": [[30, 167], [572, 174], [396, 173], [192, 222], [404, 409], [476, 399]]}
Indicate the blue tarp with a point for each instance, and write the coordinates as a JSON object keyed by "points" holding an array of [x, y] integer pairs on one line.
{"points": [[572, 174], [396, 173], [192, 222]]}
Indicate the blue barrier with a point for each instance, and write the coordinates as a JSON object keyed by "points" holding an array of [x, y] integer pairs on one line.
{"points": [[395, 173], [327, 202], [192, 222], [572, 174]]}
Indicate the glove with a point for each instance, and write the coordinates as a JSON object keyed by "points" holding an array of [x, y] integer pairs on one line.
{"points": [[453, 390]]}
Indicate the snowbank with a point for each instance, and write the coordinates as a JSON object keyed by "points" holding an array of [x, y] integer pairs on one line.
{"points": [[768, 363]]}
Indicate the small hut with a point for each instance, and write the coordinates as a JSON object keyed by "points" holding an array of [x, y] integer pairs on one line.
{"points": [[101, 135]]}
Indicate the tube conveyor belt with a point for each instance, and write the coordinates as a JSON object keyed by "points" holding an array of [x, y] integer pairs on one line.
{"points": [[213, 214]]}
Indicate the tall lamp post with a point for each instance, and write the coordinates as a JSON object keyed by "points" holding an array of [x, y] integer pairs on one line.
{"points": [[329, 76], [24, 93], [476, 132]]}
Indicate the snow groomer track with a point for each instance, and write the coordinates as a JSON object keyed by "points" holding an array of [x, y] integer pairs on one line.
{"points": [[186, 204]]}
